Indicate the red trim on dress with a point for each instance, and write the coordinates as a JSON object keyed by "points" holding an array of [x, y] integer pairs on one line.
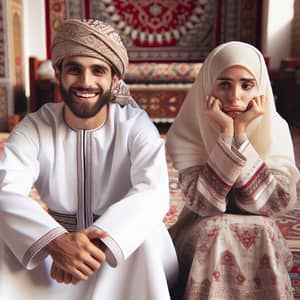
{"points": [[253, 177]]}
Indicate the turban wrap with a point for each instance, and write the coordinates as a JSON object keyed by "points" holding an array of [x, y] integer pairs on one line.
{"points": [[89, 38]]}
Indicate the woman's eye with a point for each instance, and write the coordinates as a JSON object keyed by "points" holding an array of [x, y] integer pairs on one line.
{"points": [[247, 85], [224, 85]]}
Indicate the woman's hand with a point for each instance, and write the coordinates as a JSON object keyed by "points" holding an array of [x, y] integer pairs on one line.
{"points": [[214, 111], [256, 108]]}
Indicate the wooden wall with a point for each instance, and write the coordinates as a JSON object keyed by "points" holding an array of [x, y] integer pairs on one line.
{"points": [[296, 30]]}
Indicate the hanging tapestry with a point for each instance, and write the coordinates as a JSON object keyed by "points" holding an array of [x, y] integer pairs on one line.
{"points": [[162, 30], [166, 30]]}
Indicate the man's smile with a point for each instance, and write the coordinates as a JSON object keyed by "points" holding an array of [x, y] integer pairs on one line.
{"points": [[84, 94]]}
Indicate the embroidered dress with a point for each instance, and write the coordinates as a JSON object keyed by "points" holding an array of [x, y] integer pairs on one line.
{"points": [[232, 255], [113, 177], [227, 242]]}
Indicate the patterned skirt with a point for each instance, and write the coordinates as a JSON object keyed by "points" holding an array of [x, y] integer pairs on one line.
{"points": [[236, 257]]}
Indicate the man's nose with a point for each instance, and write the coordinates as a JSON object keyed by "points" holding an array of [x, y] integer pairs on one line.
{"points": [[86, 78]]}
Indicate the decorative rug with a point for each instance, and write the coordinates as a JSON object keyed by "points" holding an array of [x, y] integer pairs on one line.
{"points": [[162, 101], [151, 73], [165, 30]]}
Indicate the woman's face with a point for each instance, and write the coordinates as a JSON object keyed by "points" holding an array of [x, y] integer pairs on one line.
{"points": [[235, 87]]}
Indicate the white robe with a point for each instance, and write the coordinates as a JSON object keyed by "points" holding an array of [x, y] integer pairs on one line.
{"points": [[117, 172]]}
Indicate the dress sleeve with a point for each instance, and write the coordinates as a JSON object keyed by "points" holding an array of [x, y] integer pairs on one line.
{"points": [[261, 190], [205, 188], [253, 186], [192, 198]]}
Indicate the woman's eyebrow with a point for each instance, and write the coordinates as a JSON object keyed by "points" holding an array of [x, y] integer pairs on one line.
{"points": [[224, 78], [248, 79], [241, 79]]}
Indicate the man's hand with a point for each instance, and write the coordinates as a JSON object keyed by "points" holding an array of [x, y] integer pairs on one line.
{"points": [[61, 275], [75, 255], [214, 111], [256, 108]]}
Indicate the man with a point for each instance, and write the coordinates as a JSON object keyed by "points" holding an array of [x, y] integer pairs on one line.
{"points": [[100, 168]]}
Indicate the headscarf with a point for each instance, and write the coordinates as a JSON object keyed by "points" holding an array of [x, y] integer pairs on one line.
{"points": [[193, 134], [90, 38]]}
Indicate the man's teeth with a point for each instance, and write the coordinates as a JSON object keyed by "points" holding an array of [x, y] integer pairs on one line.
{"points": [[84, 94]]}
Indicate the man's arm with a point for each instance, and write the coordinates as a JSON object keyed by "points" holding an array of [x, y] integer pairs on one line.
{"points": [[145, 204]]}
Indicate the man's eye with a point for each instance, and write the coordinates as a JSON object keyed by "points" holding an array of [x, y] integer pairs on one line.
{"points": [[73, 70], [99, 71]]}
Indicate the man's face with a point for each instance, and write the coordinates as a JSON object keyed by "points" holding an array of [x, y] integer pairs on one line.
{"points": [[85, 85]]}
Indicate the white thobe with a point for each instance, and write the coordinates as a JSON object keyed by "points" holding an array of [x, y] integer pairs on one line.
{"points": [[116, 172]]}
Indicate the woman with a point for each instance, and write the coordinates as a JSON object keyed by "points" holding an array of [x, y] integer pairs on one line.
{"points": [[237, 170]]}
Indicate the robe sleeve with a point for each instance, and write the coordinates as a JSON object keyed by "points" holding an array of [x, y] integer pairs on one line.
{"points": [[130, 221], [25, 227]]}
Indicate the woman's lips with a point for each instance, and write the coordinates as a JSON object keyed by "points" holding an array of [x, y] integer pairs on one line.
{"points": [[233, 109]]}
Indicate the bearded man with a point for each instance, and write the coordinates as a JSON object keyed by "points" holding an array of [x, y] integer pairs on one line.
{"points": [[99, 165]]}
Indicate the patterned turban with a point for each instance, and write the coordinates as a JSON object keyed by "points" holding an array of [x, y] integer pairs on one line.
{"points": [[90, 38]]}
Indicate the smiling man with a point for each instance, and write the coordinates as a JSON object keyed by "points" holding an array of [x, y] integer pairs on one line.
{"points": [[99, 164], [86, 102], [85, 85]]}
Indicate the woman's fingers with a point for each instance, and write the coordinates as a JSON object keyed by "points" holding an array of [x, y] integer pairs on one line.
{"points": [[258, 103], [210, 102]]}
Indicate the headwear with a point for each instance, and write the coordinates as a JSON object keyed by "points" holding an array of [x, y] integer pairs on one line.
{"points": [[193, 134], [90, 38]]}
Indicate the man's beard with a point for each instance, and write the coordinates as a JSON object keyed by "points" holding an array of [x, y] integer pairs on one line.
{"points": [[85, 110]]}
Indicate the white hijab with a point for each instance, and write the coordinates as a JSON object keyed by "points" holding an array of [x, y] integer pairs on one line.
{"points": [[193, 135]]}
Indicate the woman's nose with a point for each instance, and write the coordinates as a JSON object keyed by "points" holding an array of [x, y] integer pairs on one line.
{"points": [[235, 94]]}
